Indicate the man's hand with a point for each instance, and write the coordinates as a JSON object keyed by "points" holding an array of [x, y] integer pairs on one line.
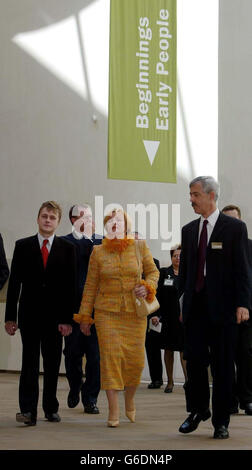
{"points": [[85, 328], [242, 314], [65, 330], [11, 327]]}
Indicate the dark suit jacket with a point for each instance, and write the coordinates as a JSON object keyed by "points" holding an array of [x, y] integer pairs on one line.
{"points": [[249, 322], [168, 295], [172, 334], [47, 295], [228, 280], [4, 270], [84, 248]]}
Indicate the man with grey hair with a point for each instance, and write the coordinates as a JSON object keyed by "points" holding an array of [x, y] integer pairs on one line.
{"points": [[214, 277]]}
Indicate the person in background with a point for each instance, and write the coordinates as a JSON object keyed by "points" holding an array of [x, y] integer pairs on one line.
{"points": [[152, 341], [113, 277], [78, 345], [41, 293], [172, 332], [242, 392], [4, 269]]}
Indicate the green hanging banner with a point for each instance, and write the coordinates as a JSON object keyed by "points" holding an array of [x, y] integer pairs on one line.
{"points": [[142, 90]]}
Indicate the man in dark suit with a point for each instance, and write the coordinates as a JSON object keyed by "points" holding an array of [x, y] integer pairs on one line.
{"points": [[44, 270], [77, 345], [215, 280], [242, 391], [4, 270]]}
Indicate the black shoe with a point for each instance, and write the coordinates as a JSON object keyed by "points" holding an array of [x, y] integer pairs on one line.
{"points": [[73, 399], [221, 432], [156, 384], [234, 410], [92, 409], [26, 418], [248, 408], [168, 389], [193, 420], [53, 417]]}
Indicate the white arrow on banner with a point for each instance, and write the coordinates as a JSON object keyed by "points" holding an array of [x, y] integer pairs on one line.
{"points": [[151, 147]]}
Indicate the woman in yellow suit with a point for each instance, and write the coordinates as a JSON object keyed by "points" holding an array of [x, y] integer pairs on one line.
{"points": [[113, 275]]}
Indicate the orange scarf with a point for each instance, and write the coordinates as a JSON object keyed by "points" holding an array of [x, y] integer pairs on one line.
{"points": [[117, 245]]}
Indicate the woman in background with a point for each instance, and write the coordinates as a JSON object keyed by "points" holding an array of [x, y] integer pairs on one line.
{"points": [[172, 333], [113, 275]]}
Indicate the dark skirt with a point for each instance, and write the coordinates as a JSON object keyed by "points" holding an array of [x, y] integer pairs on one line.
{"points": [[172, 333]]}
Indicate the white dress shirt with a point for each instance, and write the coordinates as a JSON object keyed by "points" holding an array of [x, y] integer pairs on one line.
{"points": [[212, 219], [49, 243], [79, 235]]}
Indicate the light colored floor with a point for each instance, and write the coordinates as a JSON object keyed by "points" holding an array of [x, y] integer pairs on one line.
{"points": [[158, 418]]}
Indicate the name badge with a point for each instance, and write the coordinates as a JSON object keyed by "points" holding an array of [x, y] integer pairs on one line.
{"points": [[168, 282], [216, 245]]}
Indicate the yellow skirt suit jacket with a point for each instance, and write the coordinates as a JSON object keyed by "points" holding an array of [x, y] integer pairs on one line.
{"points": [[112, 276]]}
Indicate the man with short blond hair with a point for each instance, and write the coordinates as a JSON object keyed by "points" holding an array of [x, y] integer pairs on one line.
{"points": [[42, 282], [51, 206]]}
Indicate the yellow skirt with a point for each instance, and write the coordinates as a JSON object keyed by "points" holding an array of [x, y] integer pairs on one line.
{"points": [[121, 337]]}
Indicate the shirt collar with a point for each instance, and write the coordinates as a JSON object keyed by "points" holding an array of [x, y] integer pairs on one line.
{"points": [[41, 239], [78, 235], [212, 219]]}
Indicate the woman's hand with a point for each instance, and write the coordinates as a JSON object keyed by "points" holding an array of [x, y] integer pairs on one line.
{"points": [[85, 328], [141, 291], [155, 321]]}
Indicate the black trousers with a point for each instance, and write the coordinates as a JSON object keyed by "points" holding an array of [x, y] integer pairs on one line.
{"points": [[242, 387], [76, 346], [154, 357], [47, 339], [209, 344]]}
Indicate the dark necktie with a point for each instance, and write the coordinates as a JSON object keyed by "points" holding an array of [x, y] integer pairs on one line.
{"points": [[201, 257], [44, 252]]}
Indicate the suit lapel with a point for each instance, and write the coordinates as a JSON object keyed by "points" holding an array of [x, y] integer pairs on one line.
{"points": [[53, 252], [220, 223], [36, 252], [195, 235], [216, 233]]}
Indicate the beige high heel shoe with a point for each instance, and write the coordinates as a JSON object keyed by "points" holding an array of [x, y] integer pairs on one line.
{"points": [[131, 415], [113, 423]]}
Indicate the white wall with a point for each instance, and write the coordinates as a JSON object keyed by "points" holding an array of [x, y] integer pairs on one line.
{"points": [[235, 106], [54, 79]]}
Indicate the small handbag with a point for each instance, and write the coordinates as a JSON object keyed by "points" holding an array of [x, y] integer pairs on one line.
{"points": [[143, 308]]}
